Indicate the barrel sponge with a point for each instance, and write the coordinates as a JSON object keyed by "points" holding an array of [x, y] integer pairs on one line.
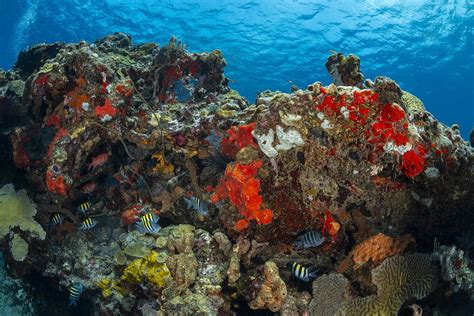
{"points": [[398, 279], [329, 293], [16, 210], [18, 248]]}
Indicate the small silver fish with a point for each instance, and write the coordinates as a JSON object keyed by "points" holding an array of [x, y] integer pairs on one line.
{"points": [[75, 291], [148, 223], [88, 223], [197, 204], [309, 239], [302, 273]]}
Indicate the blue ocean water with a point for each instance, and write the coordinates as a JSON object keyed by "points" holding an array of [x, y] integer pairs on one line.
{"points": [[425, 45]]}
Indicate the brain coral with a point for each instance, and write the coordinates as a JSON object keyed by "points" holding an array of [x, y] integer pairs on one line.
{"points": [[412, 103], [16, 210], [329, 292], [398, 279]]}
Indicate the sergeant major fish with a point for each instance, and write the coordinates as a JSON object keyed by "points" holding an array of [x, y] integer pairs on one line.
{"points": [[197, 204], [57, 220], [88, 223], [302, 273], [309, 239], [75, 291], [84, 207], [148, 223]]}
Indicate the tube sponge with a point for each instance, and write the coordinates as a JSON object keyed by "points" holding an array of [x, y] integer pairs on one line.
{"points": [[16, 210]]}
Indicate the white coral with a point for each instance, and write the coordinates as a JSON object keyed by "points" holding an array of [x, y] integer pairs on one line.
{"points": [[265, 142], [288, 140]]}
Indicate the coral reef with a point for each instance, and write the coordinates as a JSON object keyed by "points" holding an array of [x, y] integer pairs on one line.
{"points": [[138, 131]]}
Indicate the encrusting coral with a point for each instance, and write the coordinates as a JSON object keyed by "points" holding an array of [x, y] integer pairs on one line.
{"points": [[146, 269], [379, 247]]}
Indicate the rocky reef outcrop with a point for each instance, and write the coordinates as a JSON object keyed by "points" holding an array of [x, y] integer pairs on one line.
{"points": [[110, 135]]}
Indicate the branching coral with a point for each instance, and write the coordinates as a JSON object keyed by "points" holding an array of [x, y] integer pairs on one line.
{"points": [[379, 247], [272, 293], [398, 279], [240, 185]]}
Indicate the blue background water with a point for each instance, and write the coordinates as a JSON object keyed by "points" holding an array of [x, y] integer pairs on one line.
{"points": [[426, 46]]}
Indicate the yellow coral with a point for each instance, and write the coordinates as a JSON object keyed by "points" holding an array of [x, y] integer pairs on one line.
{"points": [[16, 210], [162, 166], [104, 284], [148, 269]]}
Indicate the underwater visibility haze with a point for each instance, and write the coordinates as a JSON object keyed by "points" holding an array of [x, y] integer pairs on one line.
{"points": [[236, 157]]}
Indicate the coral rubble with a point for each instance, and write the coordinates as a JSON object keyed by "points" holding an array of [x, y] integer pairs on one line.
{"points": [[128, 135]]}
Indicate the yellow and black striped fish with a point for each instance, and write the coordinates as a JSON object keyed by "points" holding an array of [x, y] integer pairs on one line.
{"points": [[75, 291], [148, 224], [302, 273], [88, 223], [84, 207]]}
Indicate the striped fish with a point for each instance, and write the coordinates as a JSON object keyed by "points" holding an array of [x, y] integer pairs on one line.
{"points": [[88, 223], [300, 272], [148, 223], [57, 219], [309, 239], [84, 207], [197, 204], [75, 291]]}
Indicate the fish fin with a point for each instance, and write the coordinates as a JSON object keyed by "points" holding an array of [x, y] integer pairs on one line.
{"points": [[155, 228], [139, 227]]}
